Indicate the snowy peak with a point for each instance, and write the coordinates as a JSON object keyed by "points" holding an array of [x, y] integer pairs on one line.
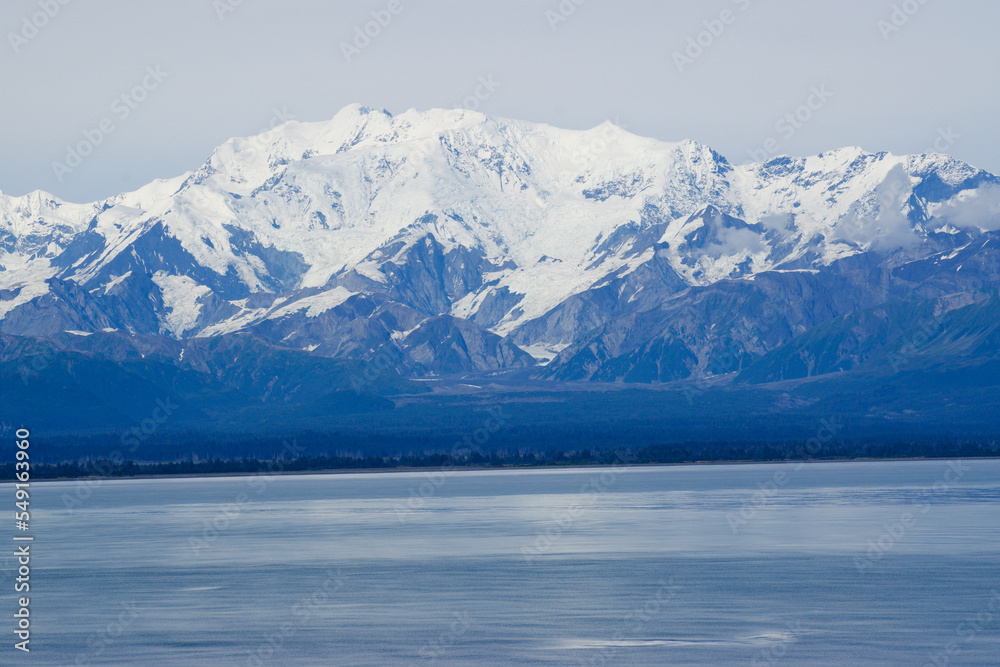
{"points": [[373, 223], [34, 220]]}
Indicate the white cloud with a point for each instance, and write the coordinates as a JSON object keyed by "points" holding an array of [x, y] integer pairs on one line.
{"points": [[888, 227], [973, 208]]}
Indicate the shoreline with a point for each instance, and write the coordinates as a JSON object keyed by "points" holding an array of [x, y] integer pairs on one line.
{"points": [[403, 469]]}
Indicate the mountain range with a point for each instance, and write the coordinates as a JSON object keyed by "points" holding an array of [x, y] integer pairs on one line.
{"points": [[334, 267]]}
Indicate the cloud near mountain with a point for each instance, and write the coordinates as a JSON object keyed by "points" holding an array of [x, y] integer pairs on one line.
{"points": [[454, 242]]}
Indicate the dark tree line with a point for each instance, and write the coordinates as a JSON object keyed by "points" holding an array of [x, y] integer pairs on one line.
{"points": [[504, 458]]}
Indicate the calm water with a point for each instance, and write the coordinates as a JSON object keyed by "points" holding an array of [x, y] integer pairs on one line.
{"points": [[841, 563]]}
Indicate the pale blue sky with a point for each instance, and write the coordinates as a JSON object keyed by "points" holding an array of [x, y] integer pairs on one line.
{"points": [[897, 91]]}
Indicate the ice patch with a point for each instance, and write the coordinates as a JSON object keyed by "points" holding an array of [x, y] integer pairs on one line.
{"points": [[543, 354], [315, 304], [115, 281], [181, 298]]}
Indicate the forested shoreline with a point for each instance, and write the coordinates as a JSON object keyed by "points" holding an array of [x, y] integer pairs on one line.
{"points": [[468, 458]]}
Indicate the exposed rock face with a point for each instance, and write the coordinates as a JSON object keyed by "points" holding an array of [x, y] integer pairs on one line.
{"points": [[449, 242]]}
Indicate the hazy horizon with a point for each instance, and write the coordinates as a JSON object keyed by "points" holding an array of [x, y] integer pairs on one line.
{"points": [[892, 76]]}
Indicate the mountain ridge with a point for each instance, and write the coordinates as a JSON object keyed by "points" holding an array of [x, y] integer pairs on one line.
{"points": [[455, 242]]}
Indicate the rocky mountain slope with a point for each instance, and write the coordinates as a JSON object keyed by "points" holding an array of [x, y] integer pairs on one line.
{"points": [[448, 242]]}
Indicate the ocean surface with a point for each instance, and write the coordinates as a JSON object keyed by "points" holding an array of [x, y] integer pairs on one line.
{"points": [[825, 564]]}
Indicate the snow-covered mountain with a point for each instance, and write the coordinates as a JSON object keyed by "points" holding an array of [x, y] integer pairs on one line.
{"points": [[453, 241]]}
